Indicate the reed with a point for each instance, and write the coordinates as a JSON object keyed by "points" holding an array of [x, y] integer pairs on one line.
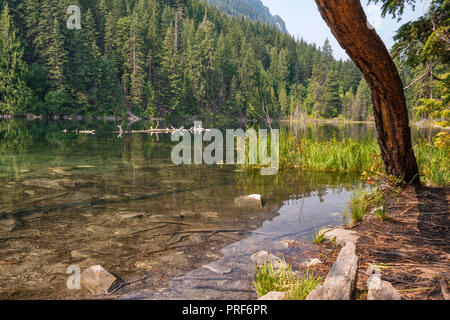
{"points": [[350, 156]]}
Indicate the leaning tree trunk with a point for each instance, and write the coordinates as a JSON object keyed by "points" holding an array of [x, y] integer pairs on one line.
{"points": [[349, 24]]}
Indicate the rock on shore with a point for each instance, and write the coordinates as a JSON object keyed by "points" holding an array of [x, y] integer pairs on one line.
{"points": [[340, 283], [382, 290]]}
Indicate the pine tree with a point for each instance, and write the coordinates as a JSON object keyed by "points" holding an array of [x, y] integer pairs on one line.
{"points": [[362, 104], [170, 74], [173, 58], [55, 54], [108, 97], [14, 94], [137, 67], [332, 98], [327, 53]]}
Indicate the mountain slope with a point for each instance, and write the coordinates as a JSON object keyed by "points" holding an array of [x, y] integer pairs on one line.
{"points": [[253, 9]]}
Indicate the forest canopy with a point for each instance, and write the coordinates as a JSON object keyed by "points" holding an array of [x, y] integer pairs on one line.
{"points": [[181, 59]]}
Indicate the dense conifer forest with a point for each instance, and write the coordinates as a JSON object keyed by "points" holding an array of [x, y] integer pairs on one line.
{"points": [[178, 59]]}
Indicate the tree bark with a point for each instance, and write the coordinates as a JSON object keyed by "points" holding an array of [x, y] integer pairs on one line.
{"points": [[348, 23]]}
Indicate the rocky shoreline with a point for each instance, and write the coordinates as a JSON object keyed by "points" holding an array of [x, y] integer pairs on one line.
{"points": [[406, 257]]}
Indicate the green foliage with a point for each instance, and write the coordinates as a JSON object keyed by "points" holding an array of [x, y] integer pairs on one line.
{"points": [[333, 155], [319, 237], [422, 50], [433, 160], [358, 206], [362, 157], [284, 280], [186, 59], [302, 287], [14, 93], [176, 59], [374, 202]]}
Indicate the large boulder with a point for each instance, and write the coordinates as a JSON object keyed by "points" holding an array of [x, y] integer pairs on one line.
{"points": [[98, 281], [340, 283]]}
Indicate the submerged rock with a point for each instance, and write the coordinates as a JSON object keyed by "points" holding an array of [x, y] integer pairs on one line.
{"points": [[219, 268], [80, 254], [43, 183], [210, 215], [144, 265], [189, 214], [251, 201], [264, 257], [340, 283], [126, 216], [98, 281], [10, 224], [51, 183], [30, 192]]}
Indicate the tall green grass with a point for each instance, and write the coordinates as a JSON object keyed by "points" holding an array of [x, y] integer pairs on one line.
{"points": [[347, 155], [434, 164], [333, 155]]}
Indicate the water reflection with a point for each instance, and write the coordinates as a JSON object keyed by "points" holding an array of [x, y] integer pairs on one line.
{"points": [[286, 235], [354, 131], [68, 198]]}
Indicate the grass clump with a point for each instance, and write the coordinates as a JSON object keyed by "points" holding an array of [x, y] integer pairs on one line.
{"points": [[267, 279], [319, 237], [303, 286], [333, 155], [284, 280], [358, 206], [364, 202], [374, 202], [433, 160]]}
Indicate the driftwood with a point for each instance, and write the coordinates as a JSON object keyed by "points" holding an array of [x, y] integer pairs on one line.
{"points": [[81, 131], [158, 130]]}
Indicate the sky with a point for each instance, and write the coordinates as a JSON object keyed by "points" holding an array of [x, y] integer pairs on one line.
{"points": [[303, 19]]}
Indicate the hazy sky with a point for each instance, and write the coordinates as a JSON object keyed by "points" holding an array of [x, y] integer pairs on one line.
{"points": [[302, 18]]}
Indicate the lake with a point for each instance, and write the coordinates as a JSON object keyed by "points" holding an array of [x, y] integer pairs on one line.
{"points": [[170, 232]]}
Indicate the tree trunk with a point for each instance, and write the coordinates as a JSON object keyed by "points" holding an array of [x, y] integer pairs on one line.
{"points": [[349, 24]]}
